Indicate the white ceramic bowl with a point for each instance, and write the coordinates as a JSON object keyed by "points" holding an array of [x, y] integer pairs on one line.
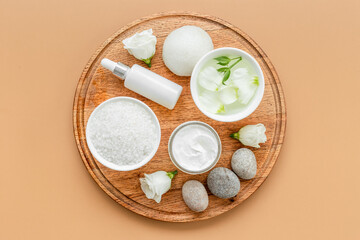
{"points": [[255, 101], [114, 166]]}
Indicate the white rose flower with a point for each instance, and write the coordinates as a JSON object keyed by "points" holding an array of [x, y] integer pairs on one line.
{"points": [[141, 45], [156, 184], [251, 135]]}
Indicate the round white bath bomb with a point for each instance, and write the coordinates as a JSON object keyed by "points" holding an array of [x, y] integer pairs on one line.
{"points": [[184, 47]]}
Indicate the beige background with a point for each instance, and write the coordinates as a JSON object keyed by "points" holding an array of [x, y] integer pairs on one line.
{"points": [[312, 192]]}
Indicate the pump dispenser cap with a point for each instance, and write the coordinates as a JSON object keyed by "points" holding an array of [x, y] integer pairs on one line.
{"points": [[119, 69]]}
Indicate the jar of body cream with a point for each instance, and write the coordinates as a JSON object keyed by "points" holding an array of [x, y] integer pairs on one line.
{"points": [[194, 147]]}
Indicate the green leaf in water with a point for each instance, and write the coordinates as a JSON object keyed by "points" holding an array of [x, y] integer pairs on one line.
{"points": [[223, 60], [223, 69], [226, 76]]}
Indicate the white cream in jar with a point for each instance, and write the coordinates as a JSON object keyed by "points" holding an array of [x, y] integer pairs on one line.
{"points": [[194, 147]]}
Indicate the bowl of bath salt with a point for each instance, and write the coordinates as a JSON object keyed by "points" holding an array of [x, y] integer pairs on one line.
{"points": [[123, 133]]}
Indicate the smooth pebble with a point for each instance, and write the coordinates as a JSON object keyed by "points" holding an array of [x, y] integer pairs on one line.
{"points": [[195, 195], [243, 163], [223, 183]]}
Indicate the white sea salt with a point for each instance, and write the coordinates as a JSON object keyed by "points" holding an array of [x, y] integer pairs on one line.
{"points": [[123, 132]]}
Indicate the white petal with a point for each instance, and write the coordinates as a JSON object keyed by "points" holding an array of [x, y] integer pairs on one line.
{"points": [[157, 198], [210, 79], [228, 95], [245, 84], [240, 73], [211, 102], [155, 185], [252, 135], [162, 182], [141, 45], [146, 188], [246, 91]]}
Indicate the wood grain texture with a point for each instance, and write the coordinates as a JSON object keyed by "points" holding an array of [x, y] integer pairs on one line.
{"points": [[97, 85]]}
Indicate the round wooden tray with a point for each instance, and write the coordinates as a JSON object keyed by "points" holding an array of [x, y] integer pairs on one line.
{"points": [[97, 85]]}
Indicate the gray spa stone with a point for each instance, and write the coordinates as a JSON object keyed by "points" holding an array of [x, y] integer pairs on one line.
{"points": [[243, 163], [195, 195], [223, 183]]}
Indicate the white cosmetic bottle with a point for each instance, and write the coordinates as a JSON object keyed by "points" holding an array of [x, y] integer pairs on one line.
{"points": [[146, 83]]}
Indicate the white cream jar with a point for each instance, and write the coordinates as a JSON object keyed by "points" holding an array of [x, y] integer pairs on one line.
{"points": [[194, 147]]}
